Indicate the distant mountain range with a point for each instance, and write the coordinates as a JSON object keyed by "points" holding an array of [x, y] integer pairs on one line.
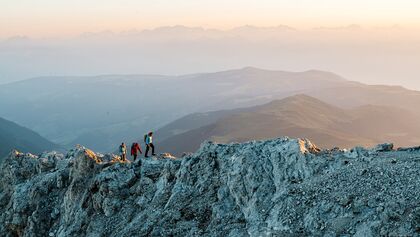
{"points": [[295, 116], [101, 112], [13, 136], [178, 50]]}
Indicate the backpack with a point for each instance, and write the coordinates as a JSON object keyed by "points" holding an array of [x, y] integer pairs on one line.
{"points": [[145, 138]]}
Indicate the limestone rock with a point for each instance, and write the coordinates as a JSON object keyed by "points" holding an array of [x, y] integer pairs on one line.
{"points": [[384, 147], [280, 187]]}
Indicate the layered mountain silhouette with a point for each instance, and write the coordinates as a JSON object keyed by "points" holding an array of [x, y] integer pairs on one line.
{"points": [[13, 136], [101, 112], [295, 116]]}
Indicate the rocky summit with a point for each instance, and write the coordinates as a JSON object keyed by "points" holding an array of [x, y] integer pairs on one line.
{"points": [[281, 187]]}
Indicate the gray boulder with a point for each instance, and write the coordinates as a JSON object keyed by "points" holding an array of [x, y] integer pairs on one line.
{"points": [[385, 147]]}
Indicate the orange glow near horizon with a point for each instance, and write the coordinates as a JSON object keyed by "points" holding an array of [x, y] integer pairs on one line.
{"points": [[48, 18]]}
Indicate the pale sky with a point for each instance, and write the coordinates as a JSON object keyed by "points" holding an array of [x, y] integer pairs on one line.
{"points": [[46, 18]]}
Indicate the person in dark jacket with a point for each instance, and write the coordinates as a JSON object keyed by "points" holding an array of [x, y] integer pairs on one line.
{"points": [[134, 149], [149, 144]]}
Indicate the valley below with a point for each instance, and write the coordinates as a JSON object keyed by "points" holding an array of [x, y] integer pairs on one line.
{"points": [[101, 112]]}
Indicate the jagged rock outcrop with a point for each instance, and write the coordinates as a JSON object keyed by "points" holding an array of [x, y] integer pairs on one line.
{"points": [[281, 187]]}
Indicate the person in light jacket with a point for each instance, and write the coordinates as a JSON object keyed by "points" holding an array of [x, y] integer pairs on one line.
{"points": [[149, 144], [123, 151]]}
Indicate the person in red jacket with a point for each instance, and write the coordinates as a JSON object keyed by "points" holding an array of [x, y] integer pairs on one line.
{"points": [[134, 148]]}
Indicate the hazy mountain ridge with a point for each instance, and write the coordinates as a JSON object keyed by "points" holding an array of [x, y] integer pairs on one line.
{"points": [[296, 116], [277, 187], [13, 136], [67, 109], [173, 50], [189, 31], [103, 111]]}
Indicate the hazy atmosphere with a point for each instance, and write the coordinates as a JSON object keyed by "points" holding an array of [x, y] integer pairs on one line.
{"points": [[213, 118], [67, 18], [375, 42]]}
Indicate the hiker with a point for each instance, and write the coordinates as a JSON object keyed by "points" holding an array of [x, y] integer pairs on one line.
{"points": [[134, 148], [148, 139], [123, 151]]}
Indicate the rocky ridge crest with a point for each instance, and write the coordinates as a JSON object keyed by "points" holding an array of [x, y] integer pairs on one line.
{"points": [[280, 187]]}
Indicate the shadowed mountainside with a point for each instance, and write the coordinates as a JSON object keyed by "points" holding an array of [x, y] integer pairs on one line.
{"points": [[103, 111], [295, 116], [13, 136]]}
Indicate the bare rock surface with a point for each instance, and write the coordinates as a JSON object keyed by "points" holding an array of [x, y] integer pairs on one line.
{"points": [[280, 187]]}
